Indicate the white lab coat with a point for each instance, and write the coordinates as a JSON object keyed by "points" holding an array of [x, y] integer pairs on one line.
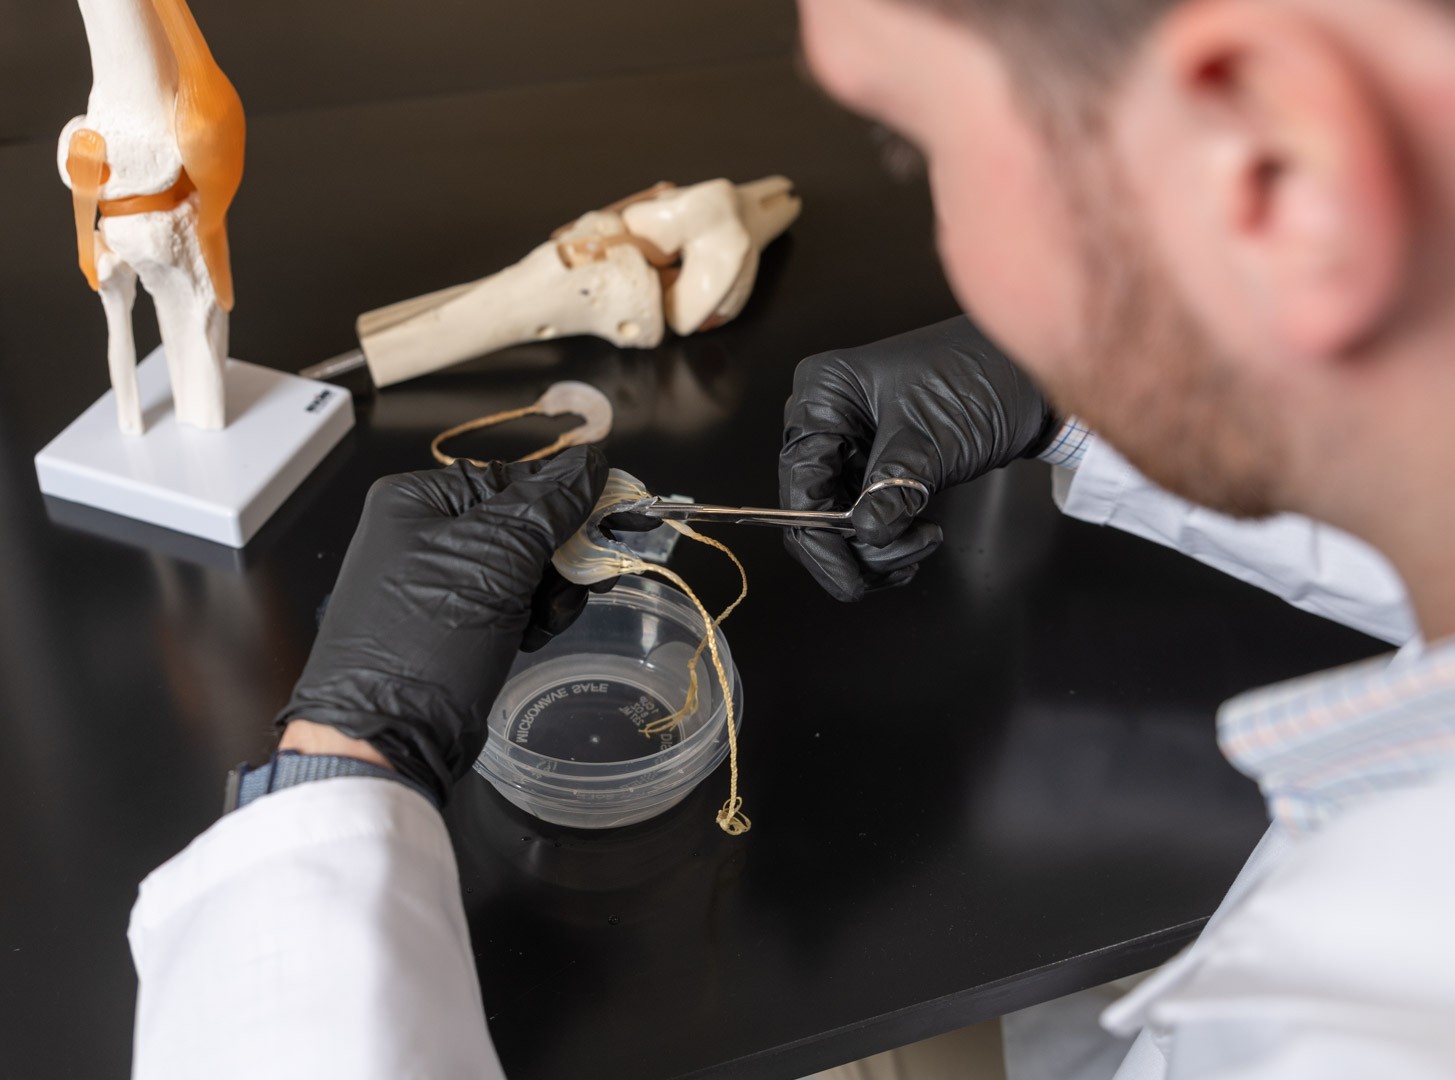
{"points": [[319, 931], [1334, 961], [1311, 565]]}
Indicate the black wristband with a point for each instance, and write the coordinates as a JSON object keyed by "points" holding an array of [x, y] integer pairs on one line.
{"points": [[287, 768]]}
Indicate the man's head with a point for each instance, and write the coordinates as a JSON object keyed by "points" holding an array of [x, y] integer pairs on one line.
{"points": [[1220, 230]]}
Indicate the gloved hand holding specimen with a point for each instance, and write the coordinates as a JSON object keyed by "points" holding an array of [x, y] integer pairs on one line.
{"points": [[159, 155], [680, 257], [440, 587]]}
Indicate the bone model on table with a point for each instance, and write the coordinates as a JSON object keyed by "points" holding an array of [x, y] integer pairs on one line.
{"points": [[159, 155], [681, 257]]}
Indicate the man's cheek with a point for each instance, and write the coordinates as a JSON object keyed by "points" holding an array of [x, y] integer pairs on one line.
{"points": [[995, 290], [1010, 266]]}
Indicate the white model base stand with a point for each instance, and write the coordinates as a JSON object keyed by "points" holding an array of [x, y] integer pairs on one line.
{"points": [[219, 485]]}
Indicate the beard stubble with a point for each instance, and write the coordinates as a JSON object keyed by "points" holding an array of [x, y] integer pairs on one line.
{"points": [[1150, 379]]}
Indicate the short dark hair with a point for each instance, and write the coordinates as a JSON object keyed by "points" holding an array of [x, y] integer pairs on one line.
{"points": [[1064, 53]]}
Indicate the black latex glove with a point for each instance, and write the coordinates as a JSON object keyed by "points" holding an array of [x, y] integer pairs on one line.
{"points": [[435, 596], [941, 405]]}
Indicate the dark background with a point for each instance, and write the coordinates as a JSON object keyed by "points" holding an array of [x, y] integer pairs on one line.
{"points": [[292, 56], [990, 788]]}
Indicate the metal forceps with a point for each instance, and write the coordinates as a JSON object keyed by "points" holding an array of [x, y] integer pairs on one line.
{"points": [[835, 520]]}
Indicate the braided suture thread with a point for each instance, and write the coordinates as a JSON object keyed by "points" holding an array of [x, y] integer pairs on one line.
{"points": [[483, 422], [730, 818], [582, 559]]}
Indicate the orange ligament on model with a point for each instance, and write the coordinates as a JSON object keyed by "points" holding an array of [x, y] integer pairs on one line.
{"points": [[210, 135], [86, 166]]}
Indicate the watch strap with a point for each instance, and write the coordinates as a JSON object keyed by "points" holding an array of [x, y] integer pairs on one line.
{"points": [[288, 768]]}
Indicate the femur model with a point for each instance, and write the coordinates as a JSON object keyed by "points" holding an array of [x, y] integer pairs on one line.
{"points": [[684, 257], [158, 155]]}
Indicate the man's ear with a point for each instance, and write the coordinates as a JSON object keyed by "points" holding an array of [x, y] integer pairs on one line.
{"points": [[1271, 174]]}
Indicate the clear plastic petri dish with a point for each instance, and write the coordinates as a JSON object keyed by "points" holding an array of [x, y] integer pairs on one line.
{"points": [[566, 735]]}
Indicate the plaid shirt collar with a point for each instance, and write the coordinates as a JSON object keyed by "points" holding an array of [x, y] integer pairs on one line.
{"points": [[1319, 744]]}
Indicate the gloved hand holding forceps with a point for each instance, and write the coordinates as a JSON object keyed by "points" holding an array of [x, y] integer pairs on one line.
{"points": [[941, 405]]}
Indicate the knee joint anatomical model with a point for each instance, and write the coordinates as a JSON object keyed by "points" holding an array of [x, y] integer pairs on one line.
{"points": [[681, 257], [158, 155]]}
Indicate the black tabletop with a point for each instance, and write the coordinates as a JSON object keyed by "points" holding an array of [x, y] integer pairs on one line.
{"points": [[982, 791]]}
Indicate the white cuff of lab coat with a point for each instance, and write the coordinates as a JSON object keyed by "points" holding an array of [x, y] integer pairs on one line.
{"points": [[1311, 565]]}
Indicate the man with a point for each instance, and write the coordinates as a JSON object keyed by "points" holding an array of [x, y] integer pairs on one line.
{"points": [[1216, 231], [1229, 221]]}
